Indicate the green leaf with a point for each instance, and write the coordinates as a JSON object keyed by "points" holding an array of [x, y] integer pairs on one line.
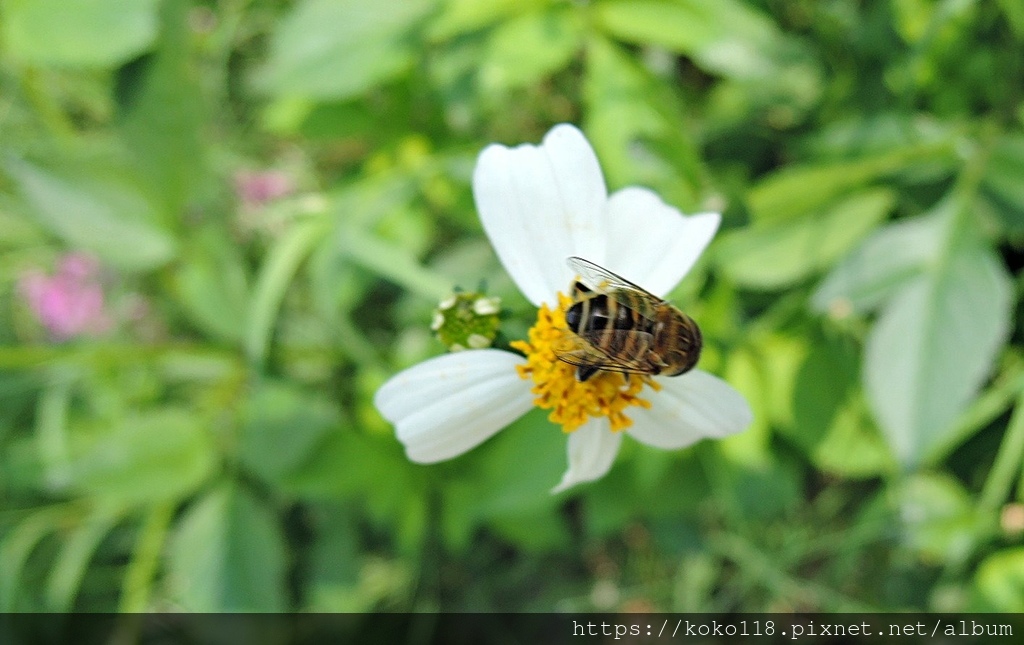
{"points": [[459, 17], [936, 341], [994, 401], [823, 383], [99, 209], [679, 26], [868, 134], [277, 272], [334, 49], [524, 50], [212, 285], [752, 446], [999, 582], [163, 123], [725, 36], [919, 21], [72, 560], [1002, 185], [796, 191], [491, 491], [763, 492], [777, 254], [781, 357], [539, 531], [334, 561], [830, 421], [886, 262], [538, 447], [281, 426], [159, 455], [21, 467], [78, 33], [17, 230], [852, 446], [228, 555], [938, 517], [348, 465], [608, 504], [633, 120], [17, 545], [392, 262], [1014, 15], [380, 582]]}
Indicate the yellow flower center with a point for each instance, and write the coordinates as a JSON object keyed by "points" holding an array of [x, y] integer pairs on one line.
{"points": [[605, 394]]}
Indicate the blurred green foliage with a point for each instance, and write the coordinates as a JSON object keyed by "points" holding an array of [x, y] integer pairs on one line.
{"points": [[279, 195]]}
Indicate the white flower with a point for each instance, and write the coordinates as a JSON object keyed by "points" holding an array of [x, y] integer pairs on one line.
{"points": [[540, 205]]}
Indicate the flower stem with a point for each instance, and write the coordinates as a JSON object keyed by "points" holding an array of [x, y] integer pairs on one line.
{"points": [[275, 276], [1008, 462], [992, 403], [51, 428], [138, 578], [996, 489]]}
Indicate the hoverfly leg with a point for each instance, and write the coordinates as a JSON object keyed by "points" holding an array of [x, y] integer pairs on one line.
{"points": [[583, 372]]}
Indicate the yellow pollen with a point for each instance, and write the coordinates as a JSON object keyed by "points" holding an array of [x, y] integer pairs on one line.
{"points": [[605, 394]]}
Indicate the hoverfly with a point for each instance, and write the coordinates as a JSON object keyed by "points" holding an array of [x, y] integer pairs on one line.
{"points": [[615, 325]]}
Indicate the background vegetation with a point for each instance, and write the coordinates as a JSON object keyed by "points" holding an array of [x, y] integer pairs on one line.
{"points": [[224, 224]]}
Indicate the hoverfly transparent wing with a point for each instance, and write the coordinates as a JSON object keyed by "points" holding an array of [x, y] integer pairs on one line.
{"points": [[615, 286], [578, 351]]}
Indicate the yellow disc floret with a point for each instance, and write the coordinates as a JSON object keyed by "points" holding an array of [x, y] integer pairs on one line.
{"points": [[606, 394]]}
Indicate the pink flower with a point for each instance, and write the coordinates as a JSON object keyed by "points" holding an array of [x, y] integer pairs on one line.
{"points": [[69, 303], [256, 188]]}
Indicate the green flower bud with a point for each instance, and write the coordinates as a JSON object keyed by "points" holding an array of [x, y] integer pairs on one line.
{"points": [[466, 320]]}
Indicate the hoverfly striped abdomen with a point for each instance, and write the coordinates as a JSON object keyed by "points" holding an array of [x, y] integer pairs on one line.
{"points": [[615, 325]]}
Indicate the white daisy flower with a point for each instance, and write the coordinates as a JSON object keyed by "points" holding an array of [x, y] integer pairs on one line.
{"points": [[540, 205]]}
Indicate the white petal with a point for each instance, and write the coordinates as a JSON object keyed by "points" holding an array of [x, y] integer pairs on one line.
{"points": [[652, 243], [689, 408], [541, 204], [592, 449], [446, 405]]}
